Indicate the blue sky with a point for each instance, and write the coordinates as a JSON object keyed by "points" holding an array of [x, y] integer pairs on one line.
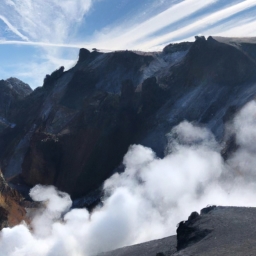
{"points": [[38, 36]]}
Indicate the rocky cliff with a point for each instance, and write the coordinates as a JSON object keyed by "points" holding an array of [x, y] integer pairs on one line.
{"points": [[74, 131]]}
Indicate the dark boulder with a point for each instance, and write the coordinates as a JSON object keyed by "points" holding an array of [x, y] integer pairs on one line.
{"points": [[188, 233]]}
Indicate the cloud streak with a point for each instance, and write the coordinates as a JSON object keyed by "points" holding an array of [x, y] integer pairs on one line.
{"points": [[13, 29], [48, 25], [56, 27], [47, 21], [202, 24], [158, 22], [137, 37], [244, 30], [42, 44]]}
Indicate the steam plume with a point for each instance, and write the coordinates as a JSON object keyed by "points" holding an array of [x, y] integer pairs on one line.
{"points": [[147, 200]]}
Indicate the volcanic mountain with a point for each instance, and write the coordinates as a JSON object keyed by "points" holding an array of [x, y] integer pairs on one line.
{"points": [[74, 130]]}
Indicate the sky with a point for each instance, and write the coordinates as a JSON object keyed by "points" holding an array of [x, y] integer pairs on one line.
{"points": [[39, 36]]}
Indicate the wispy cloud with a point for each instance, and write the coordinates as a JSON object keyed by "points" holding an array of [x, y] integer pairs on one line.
{"points": [[43, 44], [129, 36], [56, 27], [242, 30], [138, 36], [52, 23], [202, 24], [45, 21], [35, 71], [48, 24], [12, 28]]}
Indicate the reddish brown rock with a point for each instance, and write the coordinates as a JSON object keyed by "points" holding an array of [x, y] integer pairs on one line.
{"points": [[11, 210]]}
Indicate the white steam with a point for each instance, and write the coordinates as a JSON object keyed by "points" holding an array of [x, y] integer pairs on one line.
{"points": [[147, 200]]}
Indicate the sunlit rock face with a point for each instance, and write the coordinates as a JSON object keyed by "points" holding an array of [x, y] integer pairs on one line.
{"points": [[74, 131], [12, 210]]}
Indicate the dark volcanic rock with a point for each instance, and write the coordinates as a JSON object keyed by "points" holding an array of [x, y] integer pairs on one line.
{"points": [[71, 127], [188, 233], [152, 96], [127, 93], [66, 148], [213, 61], [41, 160], [79, 88], [247, 45]]}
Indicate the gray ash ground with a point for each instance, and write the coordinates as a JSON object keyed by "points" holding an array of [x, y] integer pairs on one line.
{"points": [[216, 231]]}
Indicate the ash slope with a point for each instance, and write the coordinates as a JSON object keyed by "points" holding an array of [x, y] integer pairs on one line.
{"points": [[227, 230], [217, 231], [74, 131]]}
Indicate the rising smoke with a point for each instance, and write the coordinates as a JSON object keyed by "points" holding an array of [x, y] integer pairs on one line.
{"points": [[147, 200]]}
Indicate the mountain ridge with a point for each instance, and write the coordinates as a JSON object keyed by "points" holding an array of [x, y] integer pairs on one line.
{"points": [[109, 101]]}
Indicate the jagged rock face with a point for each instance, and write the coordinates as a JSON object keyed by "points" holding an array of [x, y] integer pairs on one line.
{"points": [[74, 128], [247, 45], [94, 141], [211, 61], [12, 93], [15, 137], [188, 233], [74, 131], [221, 63]]}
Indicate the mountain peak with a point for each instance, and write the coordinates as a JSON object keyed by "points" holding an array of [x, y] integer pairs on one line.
{"points": [[18, 86]]}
